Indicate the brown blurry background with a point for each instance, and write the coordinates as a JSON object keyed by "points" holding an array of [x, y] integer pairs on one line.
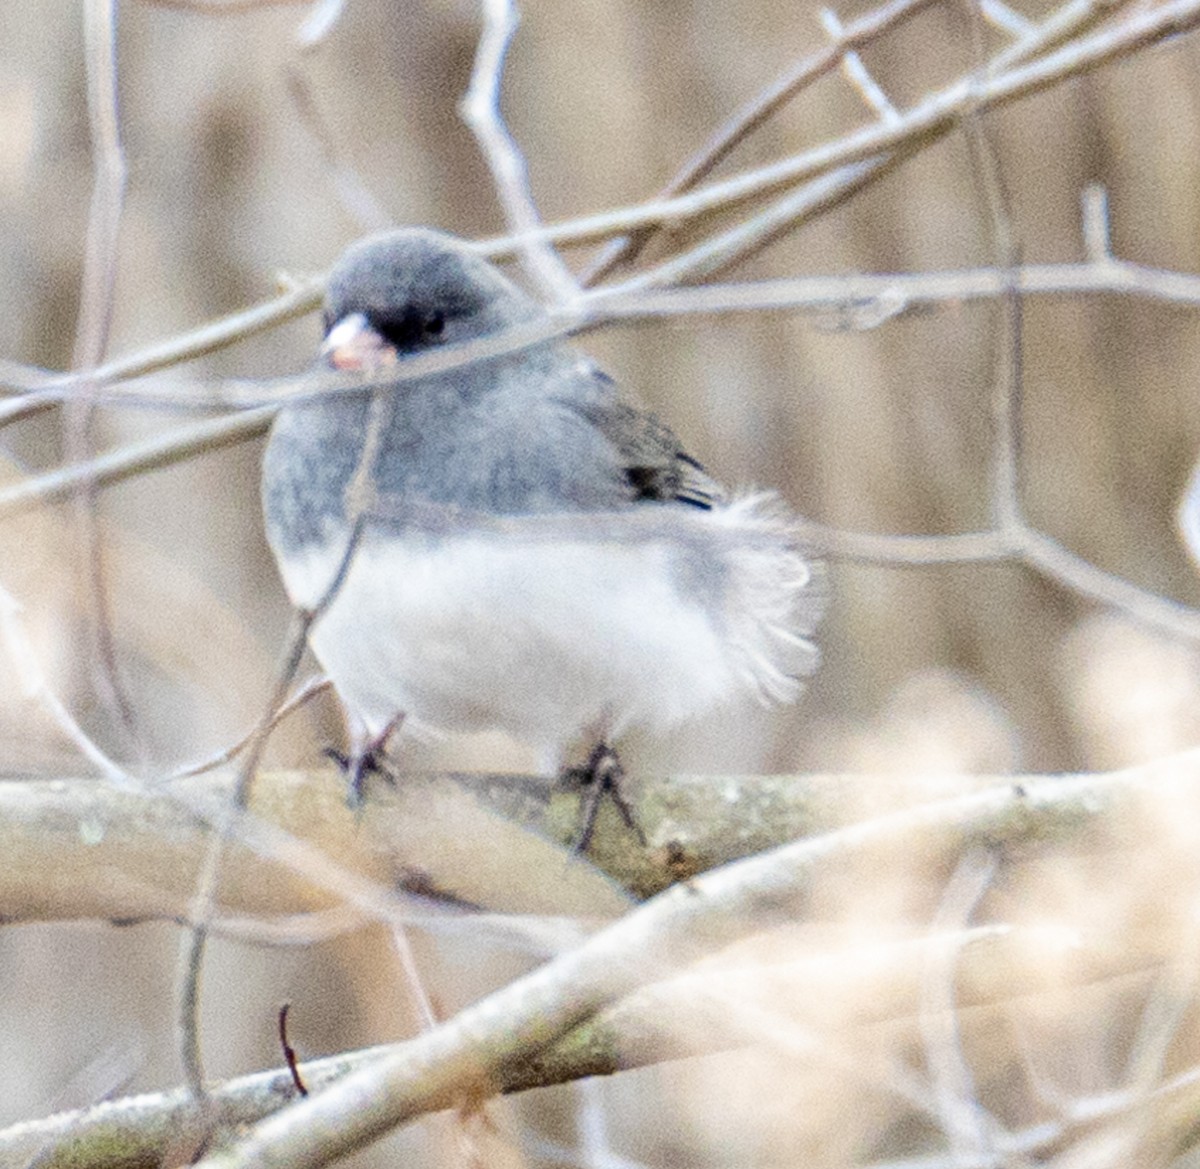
{"points": [[976, 668]]}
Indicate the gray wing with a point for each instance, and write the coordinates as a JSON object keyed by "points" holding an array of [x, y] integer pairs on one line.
{"points": [[652, 459]]}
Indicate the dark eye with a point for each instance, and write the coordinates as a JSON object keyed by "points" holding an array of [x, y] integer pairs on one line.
{"points": [[409, 329]]}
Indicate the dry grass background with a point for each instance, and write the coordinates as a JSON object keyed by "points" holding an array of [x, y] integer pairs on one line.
{"points": [[976, 668]]}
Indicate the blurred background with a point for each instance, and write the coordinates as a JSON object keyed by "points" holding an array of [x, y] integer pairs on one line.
{"points": [[968, 669]]}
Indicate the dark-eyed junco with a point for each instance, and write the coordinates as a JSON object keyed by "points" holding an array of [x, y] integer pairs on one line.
{"points": [[539, 557]]}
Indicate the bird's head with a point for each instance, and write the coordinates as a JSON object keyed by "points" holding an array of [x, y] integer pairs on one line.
{"points": [[407, 291]]}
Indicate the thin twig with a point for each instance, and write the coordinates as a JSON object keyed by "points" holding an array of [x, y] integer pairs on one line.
{"points": [[223, 7], [1162, 22], [840, 183], [96, 303], [1007, 388], [481, 111], [857, 73], [44, 390], [202, 912], [932, 118], [755, 114], [966, 1124], [863, 300], [1172, 998], [1097, 234], [36, 688], [108, 186], [1005, 18], [289, 1052], [317, 382], [134, 459], [745, 239], [317, 684], [203, 901], [903, 551], [1059, 564], [426, 1014], [1065, 22], [360, 497]]}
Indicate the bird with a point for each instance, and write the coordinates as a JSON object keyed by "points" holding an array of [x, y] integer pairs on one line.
{"points": [[510, 544]]}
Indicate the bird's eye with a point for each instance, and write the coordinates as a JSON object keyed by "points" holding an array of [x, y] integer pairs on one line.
{"points": [[435, 325]]}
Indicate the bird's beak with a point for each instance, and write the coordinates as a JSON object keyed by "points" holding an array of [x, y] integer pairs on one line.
{"points": [[353, 344]]}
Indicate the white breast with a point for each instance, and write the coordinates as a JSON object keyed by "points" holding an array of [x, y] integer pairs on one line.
{"points": [[544, 638]]}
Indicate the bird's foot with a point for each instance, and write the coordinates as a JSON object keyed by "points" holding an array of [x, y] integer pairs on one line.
{"points": [[363, 758], [601, 775], [355, 766]]}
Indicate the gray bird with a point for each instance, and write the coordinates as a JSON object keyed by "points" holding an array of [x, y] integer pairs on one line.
{"points": [[534, 555]]}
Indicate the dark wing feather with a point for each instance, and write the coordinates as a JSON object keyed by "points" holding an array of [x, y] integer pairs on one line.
{"points": [[655, 464]]}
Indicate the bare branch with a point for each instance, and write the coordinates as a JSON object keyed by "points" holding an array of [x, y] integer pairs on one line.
{"points": [[857, 74], [481, 111], [223, 7], [968, 1128], [934, 117], [1007, 19], [745, 239], [96, 304], [688, 1015], [1051, 558], [44, 389], [756, 113], [1007, 381], [1097, 237], [37, 688], [103, 853], [203, 902], [135, 459], [1066, 21], [308, 690], [464, 1056], [863, 300], [108, 189]]}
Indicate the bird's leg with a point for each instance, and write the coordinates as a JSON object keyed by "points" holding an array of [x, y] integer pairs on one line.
{"points": [[601, 775], [368, 753]]}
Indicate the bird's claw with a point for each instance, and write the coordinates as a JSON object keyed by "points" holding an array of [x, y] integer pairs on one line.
{"points": [[601, 775], [355, 766]]}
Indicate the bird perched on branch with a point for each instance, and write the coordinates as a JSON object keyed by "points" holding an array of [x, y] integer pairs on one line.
{"points": [[507, 544]]}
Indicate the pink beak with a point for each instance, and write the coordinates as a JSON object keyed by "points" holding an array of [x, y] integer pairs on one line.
{"points": [[353, 344]]}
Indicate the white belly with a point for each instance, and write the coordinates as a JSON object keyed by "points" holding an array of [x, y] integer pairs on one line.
{"points": [[543, 639]]}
